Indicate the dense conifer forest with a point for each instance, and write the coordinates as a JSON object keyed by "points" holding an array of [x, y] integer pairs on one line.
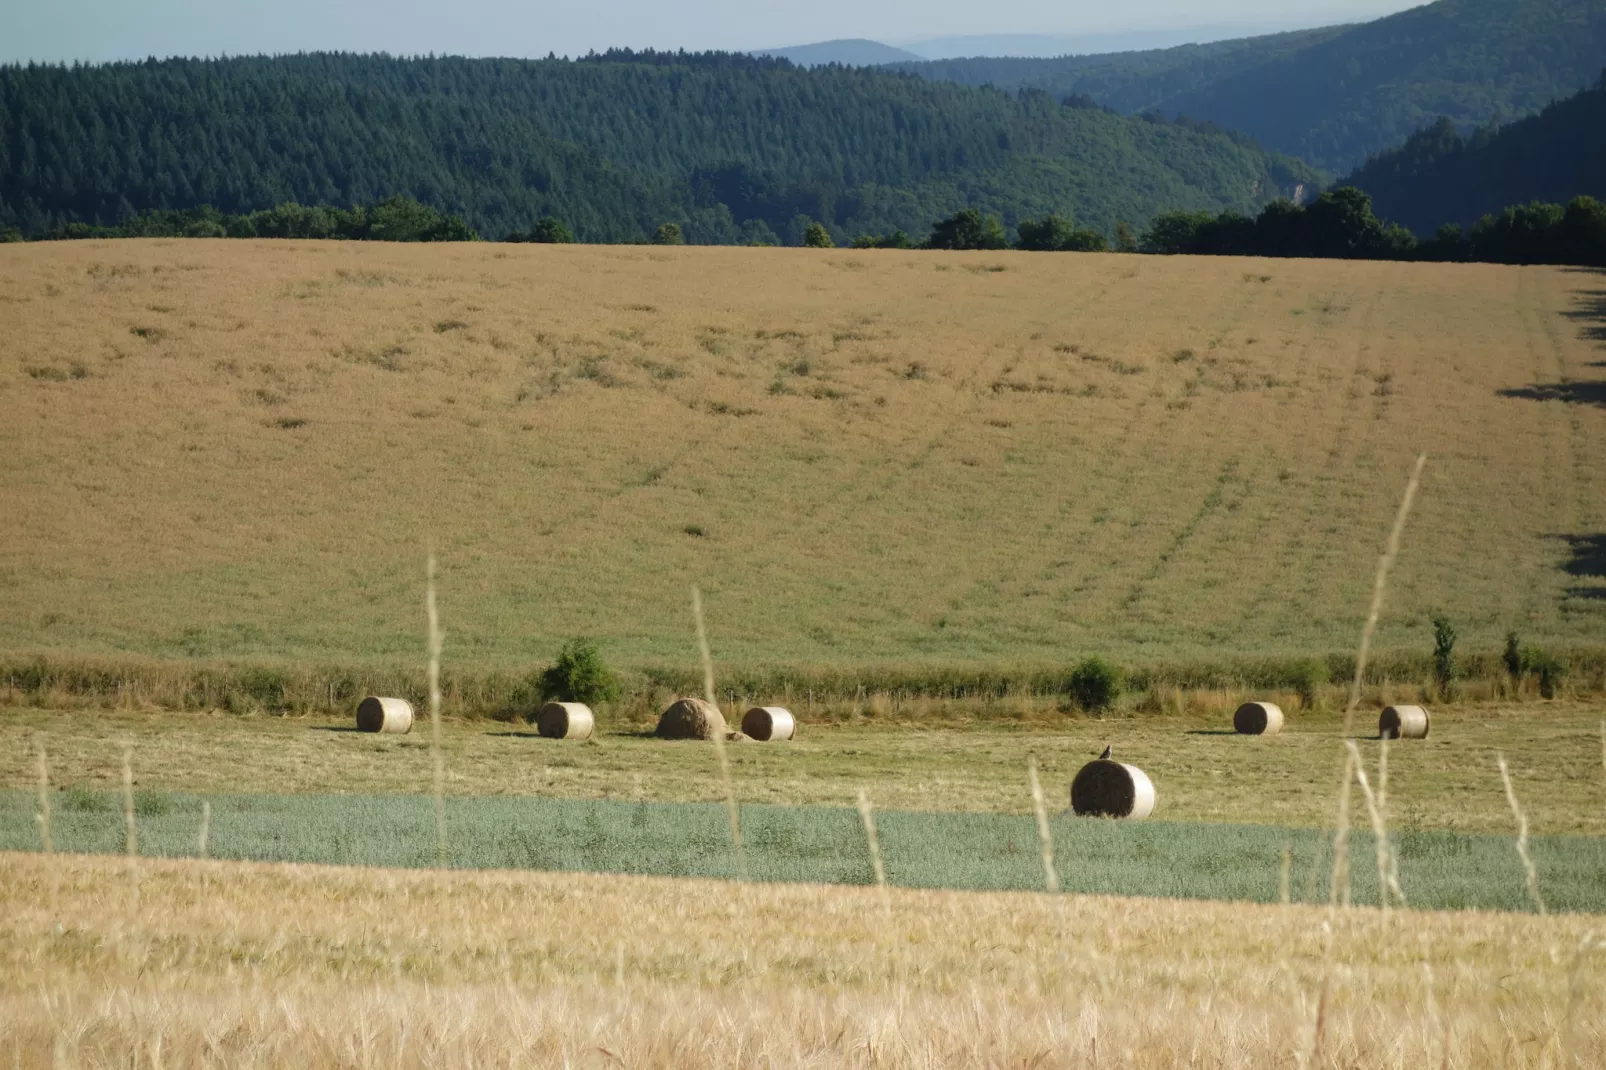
{"points": [[729, 148]]}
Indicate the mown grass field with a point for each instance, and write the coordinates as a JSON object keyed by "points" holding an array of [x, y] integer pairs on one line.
{"points": [[1202, 772], [242, 450], [187, 963]]}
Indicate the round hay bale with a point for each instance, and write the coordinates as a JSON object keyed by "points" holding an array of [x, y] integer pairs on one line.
{"points": [[1403, 722], [565, 720], [769, 724], [1112, 789], [375, 714], [1258, 719], [690, 718]]}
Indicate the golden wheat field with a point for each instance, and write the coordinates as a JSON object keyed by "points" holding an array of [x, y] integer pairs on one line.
{"points": [[104, 964], [244, 449]]}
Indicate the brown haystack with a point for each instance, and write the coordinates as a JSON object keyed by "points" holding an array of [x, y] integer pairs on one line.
{"points": [[565, 720], [1258, 719], [1403, 722], [1111, 789], [769, 724], [375, 714], [690, 718]]}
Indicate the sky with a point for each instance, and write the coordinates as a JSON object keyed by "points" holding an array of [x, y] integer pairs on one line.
{"points": [[99, 30]]}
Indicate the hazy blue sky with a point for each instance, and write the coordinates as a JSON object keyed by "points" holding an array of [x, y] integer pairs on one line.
{"points": [[120, 29]]}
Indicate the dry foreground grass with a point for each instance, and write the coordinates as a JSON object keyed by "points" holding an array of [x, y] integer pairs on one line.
{"points": [[235, 449], [208, 964]]}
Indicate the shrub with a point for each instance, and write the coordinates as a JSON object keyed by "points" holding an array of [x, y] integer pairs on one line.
{"points": [[1551, 670], [1309, 677], [1095, 684], [968, 229], [815, 236], [579, 675], [1443, 652], [550, 231], [1513, 658], [896, 240], [668, 234]]}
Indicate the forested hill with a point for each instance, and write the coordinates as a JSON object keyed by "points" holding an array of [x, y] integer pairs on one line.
{"points": [[1336, 96], [1438, 176], [733, 148]]}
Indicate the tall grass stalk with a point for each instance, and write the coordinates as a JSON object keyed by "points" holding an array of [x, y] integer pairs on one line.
{"points": [[43, 817], [873, 841], [130, 830], [1045, 836], [1391, 550], [1383, 813], [732, 808], [206, 829], [432, 613], [1338, 892], [1522, 835], [1380, 835]]}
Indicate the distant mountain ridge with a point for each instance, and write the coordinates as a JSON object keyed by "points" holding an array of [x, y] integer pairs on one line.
{"points": [[1054, 46], [1440, 176], [850, 52], [1338, 95]]}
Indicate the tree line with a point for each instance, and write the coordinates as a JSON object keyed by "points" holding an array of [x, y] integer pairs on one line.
{"points": [[1340, 224]]}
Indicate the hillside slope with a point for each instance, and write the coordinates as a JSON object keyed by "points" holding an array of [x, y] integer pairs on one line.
{"points": [[243, 448], [1440, 177], [734, 148], [1334, 97]]}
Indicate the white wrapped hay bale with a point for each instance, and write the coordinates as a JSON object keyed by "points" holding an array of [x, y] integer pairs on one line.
{"points": [[375, 714], [1258, 719], [1403, 722], [769, 724], [1112, 789], [565, 720], [690, 718]]}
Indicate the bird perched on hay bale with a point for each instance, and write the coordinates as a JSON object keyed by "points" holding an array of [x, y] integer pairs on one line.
{"points": [[690, 718], [1105, 788]]}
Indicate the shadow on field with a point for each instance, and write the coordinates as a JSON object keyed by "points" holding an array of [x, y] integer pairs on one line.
{"points": [[1587, 561], [1211, 732], [335, 728], [1590, 393], [1591, 311]]}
